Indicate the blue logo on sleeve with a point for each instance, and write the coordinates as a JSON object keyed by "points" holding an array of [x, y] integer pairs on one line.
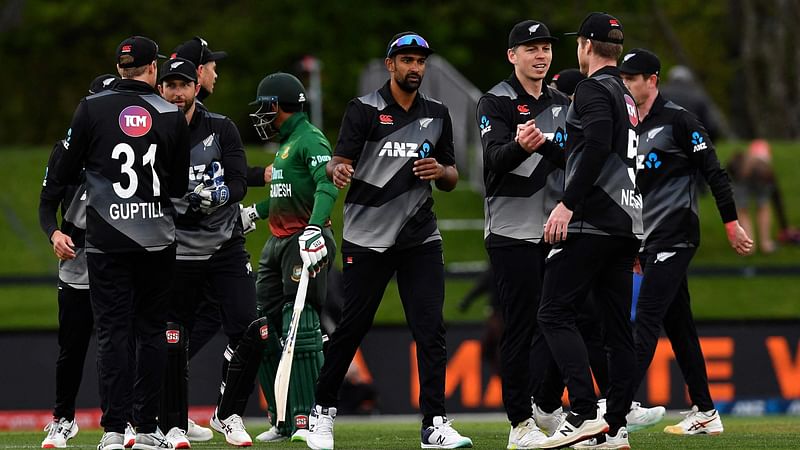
{"points": [[652, 161], [485, 127], [698, 142], [560, 138], [425, 150]]}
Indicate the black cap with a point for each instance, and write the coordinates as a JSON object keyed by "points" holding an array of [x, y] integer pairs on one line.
{"points": [[597, 26], [567, 79], [196, 50], [527, 31], [103, 82], [178, 68], [137, 51], [640, 60], [407, 40]]}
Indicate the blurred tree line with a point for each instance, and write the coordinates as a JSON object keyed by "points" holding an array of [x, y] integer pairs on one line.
{"points": [[745, 52]]}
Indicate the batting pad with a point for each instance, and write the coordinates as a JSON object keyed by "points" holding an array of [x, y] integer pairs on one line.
{"points": [[305, 366], [242, 369], [174, 402]]}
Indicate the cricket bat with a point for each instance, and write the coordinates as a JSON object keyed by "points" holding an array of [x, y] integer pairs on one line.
{"points": [[284, 372]]}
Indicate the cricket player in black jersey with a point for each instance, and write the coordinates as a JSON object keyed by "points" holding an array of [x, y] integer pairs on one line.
{"points": [[205, 60], [74, 308], [393, 142], [521, 190], [595, 230], [674, 148], [133, 146], [212, 263]]}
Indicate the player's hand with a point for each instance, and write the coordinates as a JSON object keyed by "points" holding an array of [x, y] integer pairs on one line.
{"points": [[428, 169], [555, 230], [342, 175], [522, 126], [268, 174], [312, 249], [249, 217], [63, 246], [738, 238], [530, 138]]}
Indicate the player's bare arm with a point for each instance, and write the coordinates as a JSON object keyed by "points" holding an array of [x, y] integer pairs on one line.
{"points": [[738, 238], [268, 174], [340, 171]]}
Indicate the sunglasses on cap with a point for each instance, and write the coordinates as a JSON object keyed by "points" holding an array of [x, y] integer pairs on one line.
{"points": [[203, 48], [404, 41]]}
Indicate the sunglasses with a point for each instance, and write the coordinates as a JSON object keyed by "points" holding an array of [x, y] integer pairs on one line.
{"points": [[203, 48], [404, 41]]}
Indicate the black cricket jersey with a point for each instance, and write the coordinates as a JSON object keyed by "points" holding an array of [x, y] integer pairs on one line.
{"points": [[72, 200], [213, 137], [134, 147], [674, 148], [521, 188], [387, 205], [602, 125]]}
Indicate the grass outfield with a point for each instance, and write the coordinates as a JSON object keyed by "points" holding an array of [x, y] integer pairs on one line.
{"points": [[740, 433]]}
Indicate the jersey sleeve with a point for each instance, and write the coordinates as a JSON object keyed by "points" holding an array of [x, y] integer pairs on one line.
{"points": [[501, 153], [444, 151], [68, 168], [255, 176], [179, 159], [52, 194], [317, 155], [352, 133], [695, 141], [234, 161]]}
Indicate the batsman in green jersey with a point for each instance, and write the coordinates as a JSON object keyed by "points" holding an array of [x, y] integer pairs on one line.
{"points": [[298, 208]]}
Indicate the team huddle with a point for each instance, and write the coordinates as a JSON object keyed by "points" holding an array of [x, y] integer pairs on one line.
{"points": [[583, 186]]}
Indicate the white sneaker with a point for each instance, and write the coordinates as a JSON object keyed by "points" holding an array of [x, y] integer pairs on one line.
{"points": [[196, 433], [575, 429], [300, 435], [525, 435], [620, 441], [151, 441], [320, 428], [271, 435], [112, 441], [639, 417], [697, 422], [130, 436], [59, 431], [443, 435], [233, 429], [548, 422], [177, 438]]}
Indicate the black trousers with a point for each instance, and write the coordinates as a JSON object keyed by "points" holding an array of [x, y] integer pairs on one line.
{"points": [[420, 280], [129, 298], [664, 299], [75, 325], [601, 265], [518, 273]]}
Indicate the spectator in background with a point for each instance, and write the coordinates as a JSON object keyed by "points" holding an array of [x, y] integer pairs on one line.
{"points": [[682, 88], [566, 81]]}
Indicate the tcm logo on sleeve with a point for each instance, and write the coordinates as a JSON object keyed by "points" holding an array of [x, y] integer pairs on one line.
{"points": [[135, 121]]}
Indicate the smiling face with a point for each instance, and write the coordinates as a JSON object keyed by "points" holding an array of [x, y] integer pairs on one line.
{"points": [[407, 69], [531, 60]]}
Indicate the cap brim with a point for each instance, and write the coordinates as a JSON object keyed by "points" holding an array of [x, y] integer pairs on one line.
{"points": [[167, 76], [215, 56], [160, 56], [572, 33], [537, 39]]}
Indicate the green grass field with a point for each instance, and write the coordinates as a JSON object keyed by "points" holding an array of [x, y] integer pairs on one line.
{"points": [[740, 433]]}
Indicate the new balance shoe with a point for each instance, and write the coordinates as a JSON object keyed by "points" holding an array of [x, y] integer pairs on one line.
{"points": [[525, 435], [271, 435], [639, 417], [548, 422], [607, 441], [59, 431], [151, 441], [130, 435], [112, 441], [233, 429], [575, 428], [320, 428], [196, 433], [300, 435], [697, 422], [443, 435], [177, 438]]}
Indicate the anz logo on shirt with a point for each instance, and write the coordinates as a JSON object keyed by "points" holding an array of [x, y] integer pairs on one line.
{"points": [[559, 137], [485, 127], [698, 142], [405, 149], [652, 162]]}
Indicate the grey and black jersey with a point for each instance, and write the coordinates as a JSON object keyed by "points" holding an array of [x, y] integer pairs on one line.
{"points": [[674, 148], [387, 205], [601, 158], [72, 202], [213, 137], [521, 188], [134, 147]]}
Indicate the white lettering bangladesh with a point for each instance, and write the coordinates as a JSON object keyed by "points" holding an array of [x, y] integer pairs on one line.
{"points": [[280, 190]]}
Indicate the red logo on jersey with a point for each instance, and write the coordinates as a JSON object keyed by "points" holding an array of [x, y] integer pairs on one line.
{"points": [[633, 115], [135, 121], [386, 119], [264, 331], [173, 336], [301, 421], [523, 109]]}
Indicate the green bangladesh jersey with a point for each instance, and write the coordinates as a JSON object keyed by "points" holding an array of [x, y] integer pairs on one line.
{"points": [[300, 193]]}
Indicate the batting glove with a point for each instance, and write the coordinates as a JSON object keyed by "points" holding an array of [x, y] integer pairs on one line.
{"points": [[312, 249], [249, 217]]}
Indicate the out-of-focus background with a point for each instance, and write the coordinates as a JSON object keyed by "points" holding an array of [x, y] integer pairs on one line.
{"points": [[736, 60]]}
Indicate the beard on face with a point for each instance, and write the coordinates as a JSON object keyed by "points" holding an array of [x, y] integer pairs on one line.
{"points": [[187, 105], [409, 85]]}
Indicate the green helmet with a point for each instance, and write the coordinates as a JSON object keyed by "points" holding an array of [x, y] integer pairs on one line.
{"points": [[277, 89]]}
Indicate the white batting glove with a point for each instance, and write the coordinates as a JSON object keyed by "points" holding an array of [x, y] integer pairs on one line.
{"points": [[249, 217], [312, 249]]}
